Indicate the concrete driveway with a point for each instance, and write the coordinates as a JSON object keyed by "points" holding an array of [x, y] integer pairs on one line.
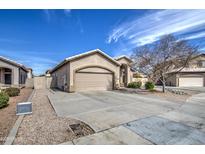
{"points": [[107, 109], [120, 118]]}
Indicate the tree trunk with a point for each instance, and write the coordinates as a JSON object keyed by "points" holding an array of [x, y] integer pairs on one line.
{"points": [[163, 87], [163, 84]]}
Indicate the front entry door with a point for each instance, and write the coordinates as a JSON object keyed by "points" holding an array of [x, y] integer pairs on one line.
{"points": [[7, 78]]}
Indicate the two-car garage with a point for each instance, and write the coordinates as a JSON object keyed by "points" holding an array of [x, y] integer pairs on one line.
{"points": [[191, 81], [93, 78], [186, 79]]}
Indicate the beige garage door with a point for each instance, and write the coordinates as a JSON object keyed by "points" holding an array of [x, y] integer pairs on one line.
{"points": [[93, 81], [191, 82]]}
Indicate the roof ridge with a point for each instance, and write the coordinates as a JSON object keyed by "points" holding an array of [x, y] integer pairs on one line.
{"points": [[13, 62], [84, 54]]}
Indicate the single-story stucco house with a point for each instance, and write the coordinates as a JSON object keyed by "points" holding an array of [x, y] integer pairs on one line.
{"points": [[13, 73], [191, 76], [92, 70]]}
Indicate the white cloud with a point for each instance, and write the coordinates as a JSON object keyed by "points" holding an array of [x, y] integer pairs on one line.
{"points": [[151, 27], [203, 49], [195, 36]]}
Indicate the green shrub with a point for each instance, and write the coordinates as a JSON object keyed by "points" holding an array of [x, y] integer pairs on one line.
{"points": [[149, 85], [12, 91], [4, 98], [135, 84]]}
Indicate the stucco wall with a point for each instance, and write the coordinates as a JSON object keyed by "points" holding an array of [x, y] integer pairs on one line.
{"points": [[143, 80], [22, 76], [172, 80], [29, 74], [93, 60], [129, 75], [196, 61], [58, 77], [40, 82], [123, 61], [15, 72], [129, 72]]}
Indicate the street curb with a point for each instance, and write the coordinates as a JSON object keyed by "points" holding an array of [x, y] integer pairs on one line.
{"points": [[12, 134]]}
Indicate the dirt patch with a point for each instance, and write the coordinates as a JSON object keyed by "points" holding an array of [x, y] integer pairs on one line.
{"points": [[44, 127], [8, 114]]}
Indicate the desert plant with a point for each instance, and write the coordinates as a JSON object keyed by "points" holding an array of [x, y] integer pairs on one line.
{"points": [[12, 91], [134, 84], [4, 98], [149, 85]]}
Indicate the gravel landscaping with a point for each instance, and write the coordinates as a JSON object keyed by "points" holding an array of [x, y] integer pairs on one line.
{"points": [[44, 127], [169, 96], [8, 114]]}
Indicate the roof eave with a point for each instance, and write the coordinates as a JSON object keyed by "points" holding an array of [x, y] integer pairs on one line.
{"points": [[83, 55]]}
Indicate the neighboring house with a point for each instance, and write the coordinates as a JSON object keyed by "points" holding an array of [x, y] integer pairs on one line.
{"points": [[47, 73], [13, 73], [139, 77], [193, 75], [92, 70]]}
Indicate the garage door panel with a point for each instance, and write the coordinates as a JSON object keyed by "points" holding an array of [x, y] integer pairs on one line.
{"points": [[93, 81], [191, 82]]}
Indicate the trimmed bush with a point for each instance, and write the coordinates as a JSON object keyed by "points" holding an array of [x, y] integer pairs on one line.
{"points": [[12, 91], [135, 84], [149, 85], [4, 98]]}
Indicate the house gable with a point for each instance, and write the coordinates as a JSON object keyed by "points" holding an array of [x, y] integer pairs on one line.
{"points": [[8, 62], [196, 61], [84, 55], [123, 60]]}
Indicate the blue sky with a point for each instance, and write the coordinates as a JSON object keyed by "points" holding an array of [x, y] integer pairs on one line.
{"points": [[40, 39]]}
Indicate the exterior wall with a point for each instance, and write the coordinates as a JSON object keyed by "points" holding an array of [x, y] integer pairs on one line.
{"points": [[123, 61], [15, 72], [48, 81], [29, 83], [60, 77], [172, 80], [195, 63], [22, 76], [93, 60], [129, 75], [143, 80], [30, 74], [129, 72], [40, 82]]}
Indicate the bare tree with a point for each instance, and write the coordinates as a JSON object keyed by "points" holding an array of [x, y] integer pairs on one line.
{"points": [[158, 59]]}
